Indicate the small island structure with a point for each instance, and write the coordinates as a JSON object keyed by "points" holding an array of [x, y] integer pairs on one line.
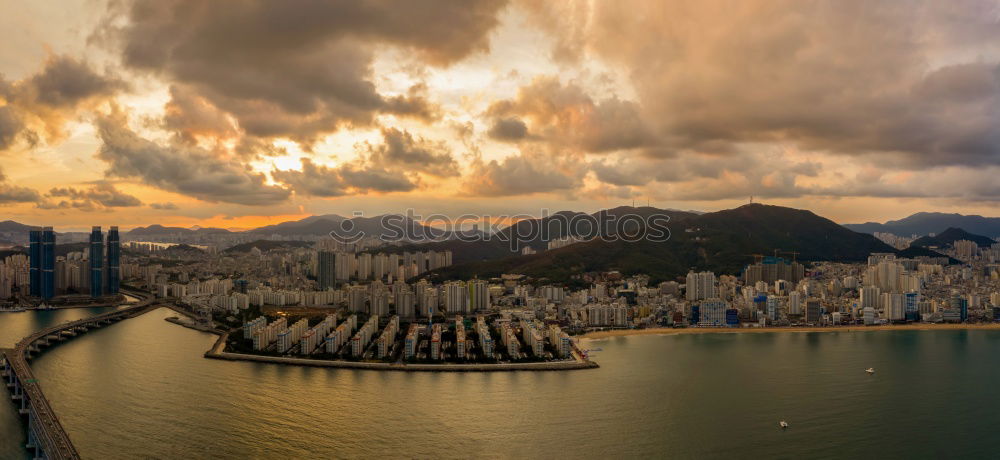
{"points": [[360, 340]]}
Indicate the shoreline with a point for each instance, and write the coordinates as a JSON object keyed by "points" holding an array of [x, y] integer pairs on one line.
{"points": [[595, 335], [217, 352], [403, 367]]}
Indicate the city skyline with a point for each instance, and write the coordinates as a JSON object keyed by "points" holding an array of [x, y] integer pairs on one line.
{"points": [[499, 228], [141, 112]]}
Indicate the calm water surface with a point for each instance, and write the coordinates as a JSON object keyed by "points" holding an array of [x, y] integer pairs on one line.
{"points": [[140, 389]]}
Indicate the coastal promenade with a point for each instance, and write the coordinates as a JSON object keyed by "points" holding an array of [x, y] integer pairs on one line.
{"points": [[46, 436], [605, 334]]}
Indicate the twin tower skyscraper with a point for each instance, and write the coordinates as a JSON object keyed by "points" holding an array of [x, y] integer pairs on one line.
{"points": [[104, 261]]}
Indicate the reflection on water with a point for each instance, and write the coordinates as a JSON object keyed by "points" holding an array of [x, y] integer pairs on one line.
{"points": [[143, 383]]}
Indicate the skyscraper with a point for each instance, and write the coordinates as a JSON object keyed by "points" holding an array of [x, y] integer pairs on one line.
{"points": [[48, 263], [114, 262], [326, 269], [35, 266], [96, 262], [42, 263]]}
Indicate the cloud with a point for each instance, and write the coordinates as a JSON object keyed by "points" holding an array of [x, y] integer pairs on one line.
{"points": [[165, 206], [40, 104], [564, 115], [190, 170], [64, 83], [508, 129], [99, 196], [301, 71], [10, 127], [190, 115], [322, 181], [913, 84], [521, 174], [369, 179], [12, 194], [712, 177], [411, 153]]}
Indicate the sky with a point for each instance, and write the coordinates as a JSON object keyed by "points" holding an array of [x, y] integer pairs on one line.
{"points": [[242, 114]]}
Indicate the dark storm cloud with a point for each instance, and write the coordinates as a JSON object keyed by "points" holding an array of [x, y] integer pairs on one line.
{"points": [[298, 71], [185, 169]]}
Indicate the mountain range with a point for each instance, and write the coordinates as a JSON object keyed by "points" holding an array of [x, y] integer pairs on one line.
{"points": [[949, 237], [925, 223], [723, 242]]}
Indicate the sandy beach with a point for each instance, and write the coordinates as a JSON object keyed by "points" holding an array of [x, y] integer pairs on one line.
{"points": [[764, 330]]}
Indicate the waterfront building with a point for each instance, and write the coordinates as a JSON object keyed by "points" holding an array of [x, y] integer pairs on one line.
{"points": [[114, 253], [868, 313], [794, 303], [560, 341], [35, 255], [341, 335], [96, 262], [388, 338], [485, 338], [411, 342], [42, 259], [813, 311], [363, 337], [712, 312], [290, 336], [510, 341], [269, 334], [436, 342], [460, 343], [251, 327]]}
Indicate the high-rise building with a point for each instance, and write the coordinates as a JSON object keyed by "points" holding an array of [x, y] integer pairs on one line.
{"points": [[35, 263], [326, 270], [42, 262], [48, 263], [701, 286], [114, 262], [771, 269], [813, 311], [96, 262], [479, 295]]}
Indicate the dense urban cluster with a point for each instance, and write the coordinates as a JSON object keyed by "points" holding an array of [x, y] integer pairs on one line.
{"points": [[325, 300], [93, 273]]}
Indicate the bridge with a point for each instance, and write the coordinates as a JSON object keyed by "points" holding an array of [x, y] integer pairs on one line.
{"points": [[46, 437]]}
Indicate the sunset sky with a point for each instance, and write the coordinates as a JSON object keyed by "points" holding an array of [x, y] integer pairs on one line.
{"points": [[240, 114]]}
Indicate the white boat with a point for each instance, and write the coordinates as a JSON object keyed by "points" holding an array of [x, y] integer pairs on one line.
{"points": [[870, 370], [783, 424]]}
